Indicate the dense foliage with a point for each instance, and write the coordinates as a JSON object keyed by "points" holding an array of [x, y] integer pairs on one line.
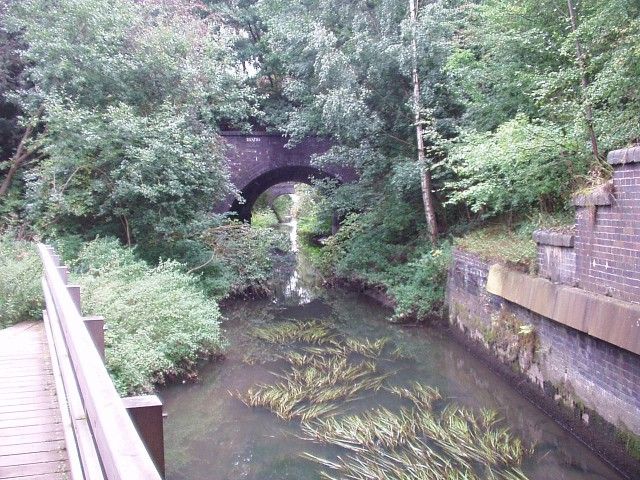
{"points": [[244, 259], [121, 102], [158, 320], [130, 96], [521, 166], [20, 289]]}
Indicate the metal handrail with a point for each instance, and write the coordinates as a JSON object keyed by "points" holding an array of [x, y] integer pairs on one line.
{"points": [[120, 449]]}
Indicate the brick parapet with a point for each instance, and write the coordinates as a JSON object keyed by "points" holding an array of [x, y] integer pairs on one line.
{"points": [[603, 253], [607, 240], [556, 256]]}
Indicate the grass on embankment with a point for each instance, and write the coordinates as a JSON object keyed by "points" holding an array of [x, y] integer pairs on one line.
{"points": [[513, 245], [20, 290], [499, 243]]}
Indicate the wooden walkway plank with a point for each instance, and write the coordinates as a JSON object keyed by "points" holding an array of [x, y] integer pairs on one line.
{"points": [[32, 457], [33, 447], [19, 471], [32, 443], [51, 412], [43, 404], [29, 438]]}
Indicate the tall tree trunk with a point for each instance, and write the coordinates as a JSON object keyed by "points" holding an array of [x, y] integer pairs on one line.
{"points": [[20, 156], [588, 110], [425, 170]]}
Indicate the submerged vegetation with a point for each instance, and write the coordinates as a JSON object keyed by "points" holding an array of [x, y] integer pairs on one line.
{"points": [[427, 437]]}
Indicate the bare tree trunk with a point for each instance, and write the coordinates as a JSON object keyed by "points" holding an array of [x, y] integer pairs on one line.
{"points": [[127, 231], [588, 110], [425, 172], [21, 154]]}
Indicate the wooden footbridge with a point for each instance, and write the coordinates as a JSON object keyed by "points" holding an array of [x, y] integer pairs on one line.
{"points": [[60, 415]]}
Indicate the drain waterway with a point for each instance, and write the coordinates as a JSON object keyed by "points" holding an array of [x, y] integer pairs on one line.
{"points": [[210, 434]]}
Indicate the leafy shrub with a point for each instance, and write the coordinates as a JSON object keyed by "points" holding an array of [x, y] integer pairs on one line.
{"points": [[520, 166], [158, 320], [263, 218], [282, 206], [20, 289], [419, 285], [243, 258], [313, 220], [413, 274]]}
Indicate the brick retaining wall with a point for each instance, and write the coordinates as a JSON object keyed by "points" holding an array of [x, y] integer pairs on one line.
{"points": [[583, 372], [603, 255]]}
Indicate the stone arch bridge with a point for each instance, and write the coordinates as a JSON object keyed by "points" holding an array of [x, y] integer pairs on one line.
{"points": [[259, 161]]}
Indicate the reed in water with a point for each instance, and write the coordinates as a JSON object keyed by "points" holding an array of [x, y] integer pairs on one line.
{"points": [[425, 438]]}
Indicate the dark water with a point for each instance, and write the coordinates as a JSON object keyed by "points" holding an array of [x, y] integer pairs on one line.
{"points": [[211, 435]]}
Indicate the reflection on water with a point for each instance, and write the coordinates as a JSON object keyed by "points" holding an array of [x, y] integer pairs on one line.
{"points": [[211, 435]]}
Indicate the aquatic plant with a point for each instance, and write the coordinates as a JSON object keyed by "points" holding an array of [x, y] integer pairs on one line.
{"points": [[366, 347], [423, 396], [416, 443], [291, 332], [424, 439], [304, 388]]}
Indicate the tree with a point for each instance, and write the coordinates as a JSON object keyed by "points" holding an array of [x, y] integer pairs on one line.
{"points": [[425, 172], [580, 60], [346, 70], [13, 149], [535, 58], [131, 96]]}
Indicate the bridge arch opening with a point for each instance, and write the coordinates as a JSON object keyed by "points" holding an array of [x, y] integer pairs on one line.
{"points": [[259, 185]]}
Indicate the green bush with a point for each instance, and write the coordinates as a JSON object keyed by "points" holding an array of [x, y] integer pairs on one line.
{"points": [[244, 259], [313, 220], [20, 288], [520, 167], [418, 286], [413, 273], [263, 218], [282, 207], [158, 320]]}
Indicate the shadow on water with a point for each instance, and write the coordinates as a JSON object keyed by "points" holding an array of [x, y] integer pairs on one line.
{"points": [[210, 435]]}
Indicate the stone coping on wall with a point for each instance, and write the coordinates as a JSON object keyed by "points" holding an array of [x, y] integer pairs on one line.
{"points": [[556, 239], [598, 196], [614, 321], [624, 155]]}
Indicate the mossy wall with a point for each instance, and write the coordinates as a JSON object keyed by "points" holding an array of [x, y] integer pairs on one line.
{"points": [[594, 378]]}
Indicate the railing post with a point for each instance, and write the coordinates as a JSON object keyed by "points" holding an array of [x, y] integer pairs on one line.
{"points": [[64, 273], [95, 326], [54, 257], [146, 413], [74, 291]]}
